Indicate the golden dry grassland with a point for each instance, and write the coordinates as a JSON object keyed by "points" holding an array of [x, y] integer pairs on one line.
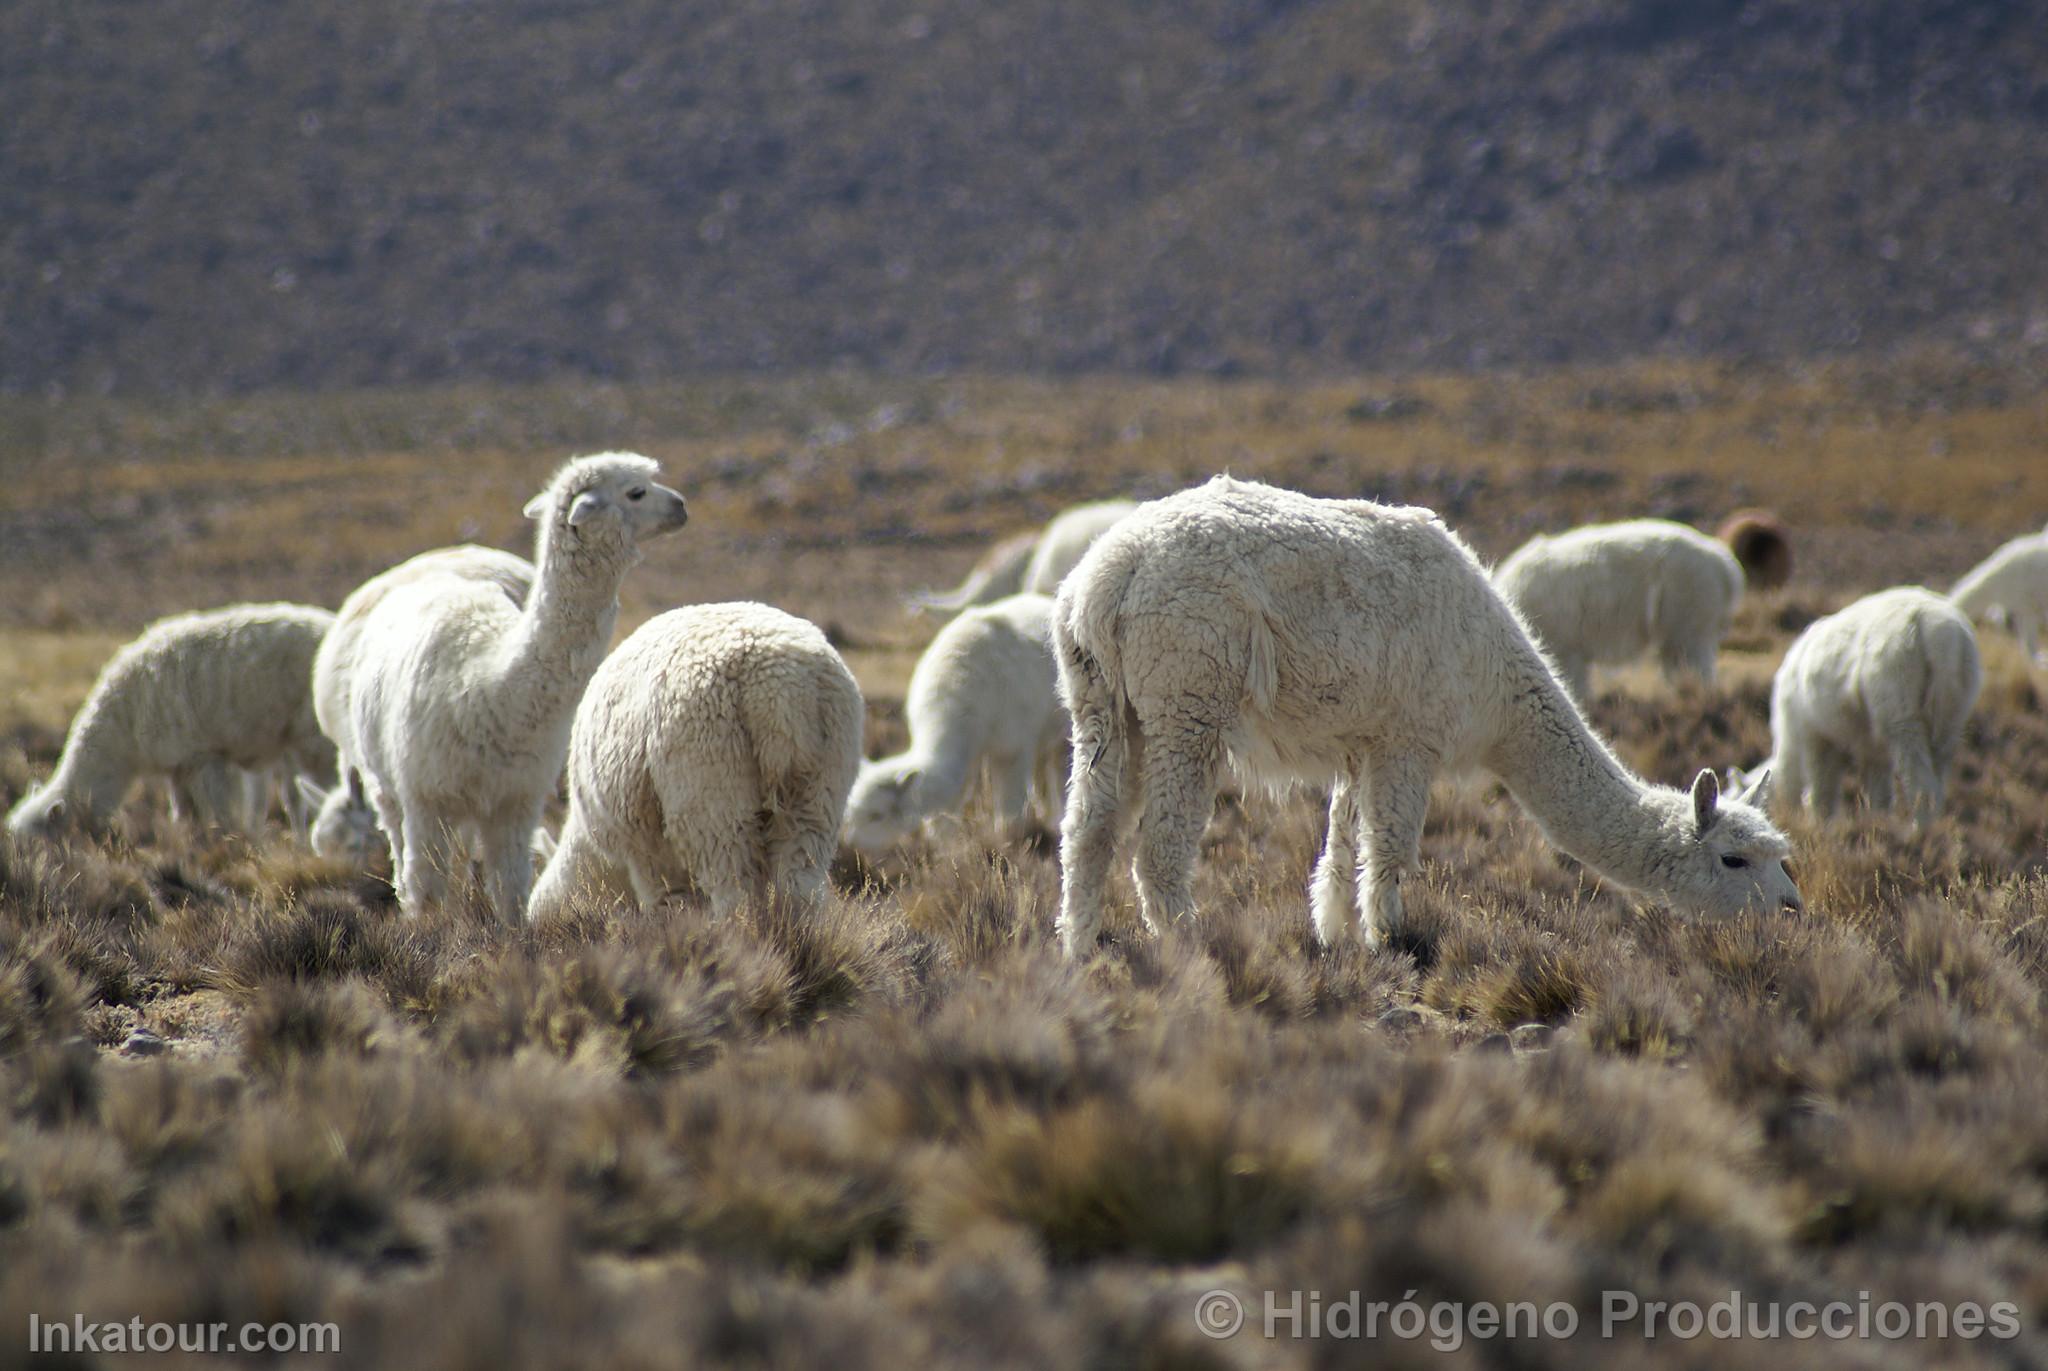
{"points": [[236, 1085]]}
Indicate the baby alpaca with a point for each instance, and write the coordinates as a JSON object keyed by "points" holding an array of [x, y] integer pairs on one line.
{"points": [[2012, 582], [1609, 592], [193, 698], [985, 694], [461, 702], [1361, 646], [343, 825], [717, 744], [1881, 689]]}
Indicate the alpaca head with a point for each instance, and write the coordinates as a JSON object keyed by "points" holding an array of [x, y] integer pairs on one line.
{"points": [[879, 810], [609, 503], [41, 813], [343, 827], [1732, 857]]}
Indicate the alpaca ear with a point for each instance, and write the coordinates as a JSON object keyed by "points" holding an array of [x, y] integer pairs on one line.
{"points": [[585, 506], [537, 506], [908, 780], [311, 791], [1706, 800], [1757, 787]]}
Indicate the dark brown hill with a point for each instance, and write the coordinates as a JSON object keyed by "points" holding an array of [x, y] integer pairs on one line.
{"points": [[224, 194]]}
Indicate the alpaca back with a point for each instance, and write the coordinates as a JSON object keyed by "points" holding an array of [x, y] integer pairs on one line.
{"points": [[2014, 578], [232, 683], [1607, 592], [1312, 630], [1900, 662]]}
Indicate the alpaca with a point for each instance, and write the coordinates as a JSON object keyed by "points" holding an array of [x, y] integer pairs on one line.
{"points": [[1883, 687], [1357, 645], [1762, 546], [343, 826], [1608, 592], [985, 695], [462, 702], [194, 698], [2012, 583], [717, 744], [1033, 562]]}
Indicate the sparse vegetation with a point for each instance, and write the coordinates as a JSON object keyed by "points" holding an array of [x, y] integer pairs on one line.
{"points": [[235, 1084]]}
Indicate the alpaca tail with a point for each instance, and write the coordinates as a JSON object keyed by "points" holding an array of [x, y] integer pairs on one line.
{"points": [[1087, 626]]}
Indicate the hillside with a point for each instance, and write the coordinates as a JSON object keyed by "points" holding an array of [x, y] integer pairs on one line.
{"points": [[210, 195]]}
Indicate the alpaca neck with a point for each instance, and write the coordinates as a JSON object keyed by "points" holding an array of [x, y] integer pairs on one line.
{"points": [[942, 776], [1586, 801], [565, 628]]}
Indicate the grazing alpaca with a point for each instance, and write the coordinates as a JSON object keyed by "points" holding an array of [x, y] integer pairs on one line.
{"points": [[1358, 645], [717, 745], [1883, 689], [984, 696], [461, 701], [2012, 583], [193, 698], [1609, 592]]}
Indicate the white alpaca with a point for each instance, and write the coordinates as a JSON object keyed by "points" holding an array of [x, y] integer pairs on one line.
{"points": [[2012, 583], [461, 702], [1610, 592], [1881, 690], [1034, 562], [717, 744], [194, 698], [985, 695], [1357, 645], [343, 824]]}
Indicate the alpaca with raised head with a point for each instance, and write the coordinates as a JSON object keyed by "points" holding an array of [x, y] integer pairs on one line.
{"points": [[1355, 645], [461, 701], [1880, 690], [1610, 592], [2011, 584], [714, 748]]}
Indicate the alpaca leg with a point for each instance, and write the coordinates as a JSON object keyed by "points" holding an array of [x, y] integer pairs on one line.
{"points": [[423, 870], [1689, 657], [389, 818], [506, 851], [1790, 774], [1180, 791], [1829, 765], [1009, 791], [801, 847], [203, 793], [1391, 812], [1912, 763], [1333, 897], [1103, 803]]}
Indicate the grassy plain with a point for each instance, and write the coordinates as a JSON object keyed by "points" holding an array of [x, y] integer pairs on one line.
{"points": [[908, 1133]]}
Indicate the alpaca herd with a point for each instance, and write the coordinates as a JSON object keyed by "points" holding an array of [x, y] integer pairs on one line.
{"points": [[1107, 670]]}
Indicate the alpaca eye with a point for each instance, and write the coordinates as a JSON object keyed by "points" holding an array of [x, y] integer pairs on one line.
{"points": [[636, 493], [1733, 862]]}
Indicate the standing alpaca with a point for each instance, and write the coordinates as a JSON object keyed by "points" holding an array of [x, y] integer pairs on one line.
{"points": [[343, 825], [1358, 645], [1609, 592], [193, 698], [716, 745], [985, 695], [2013, 583], [1883, 688], [462, 702]]}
